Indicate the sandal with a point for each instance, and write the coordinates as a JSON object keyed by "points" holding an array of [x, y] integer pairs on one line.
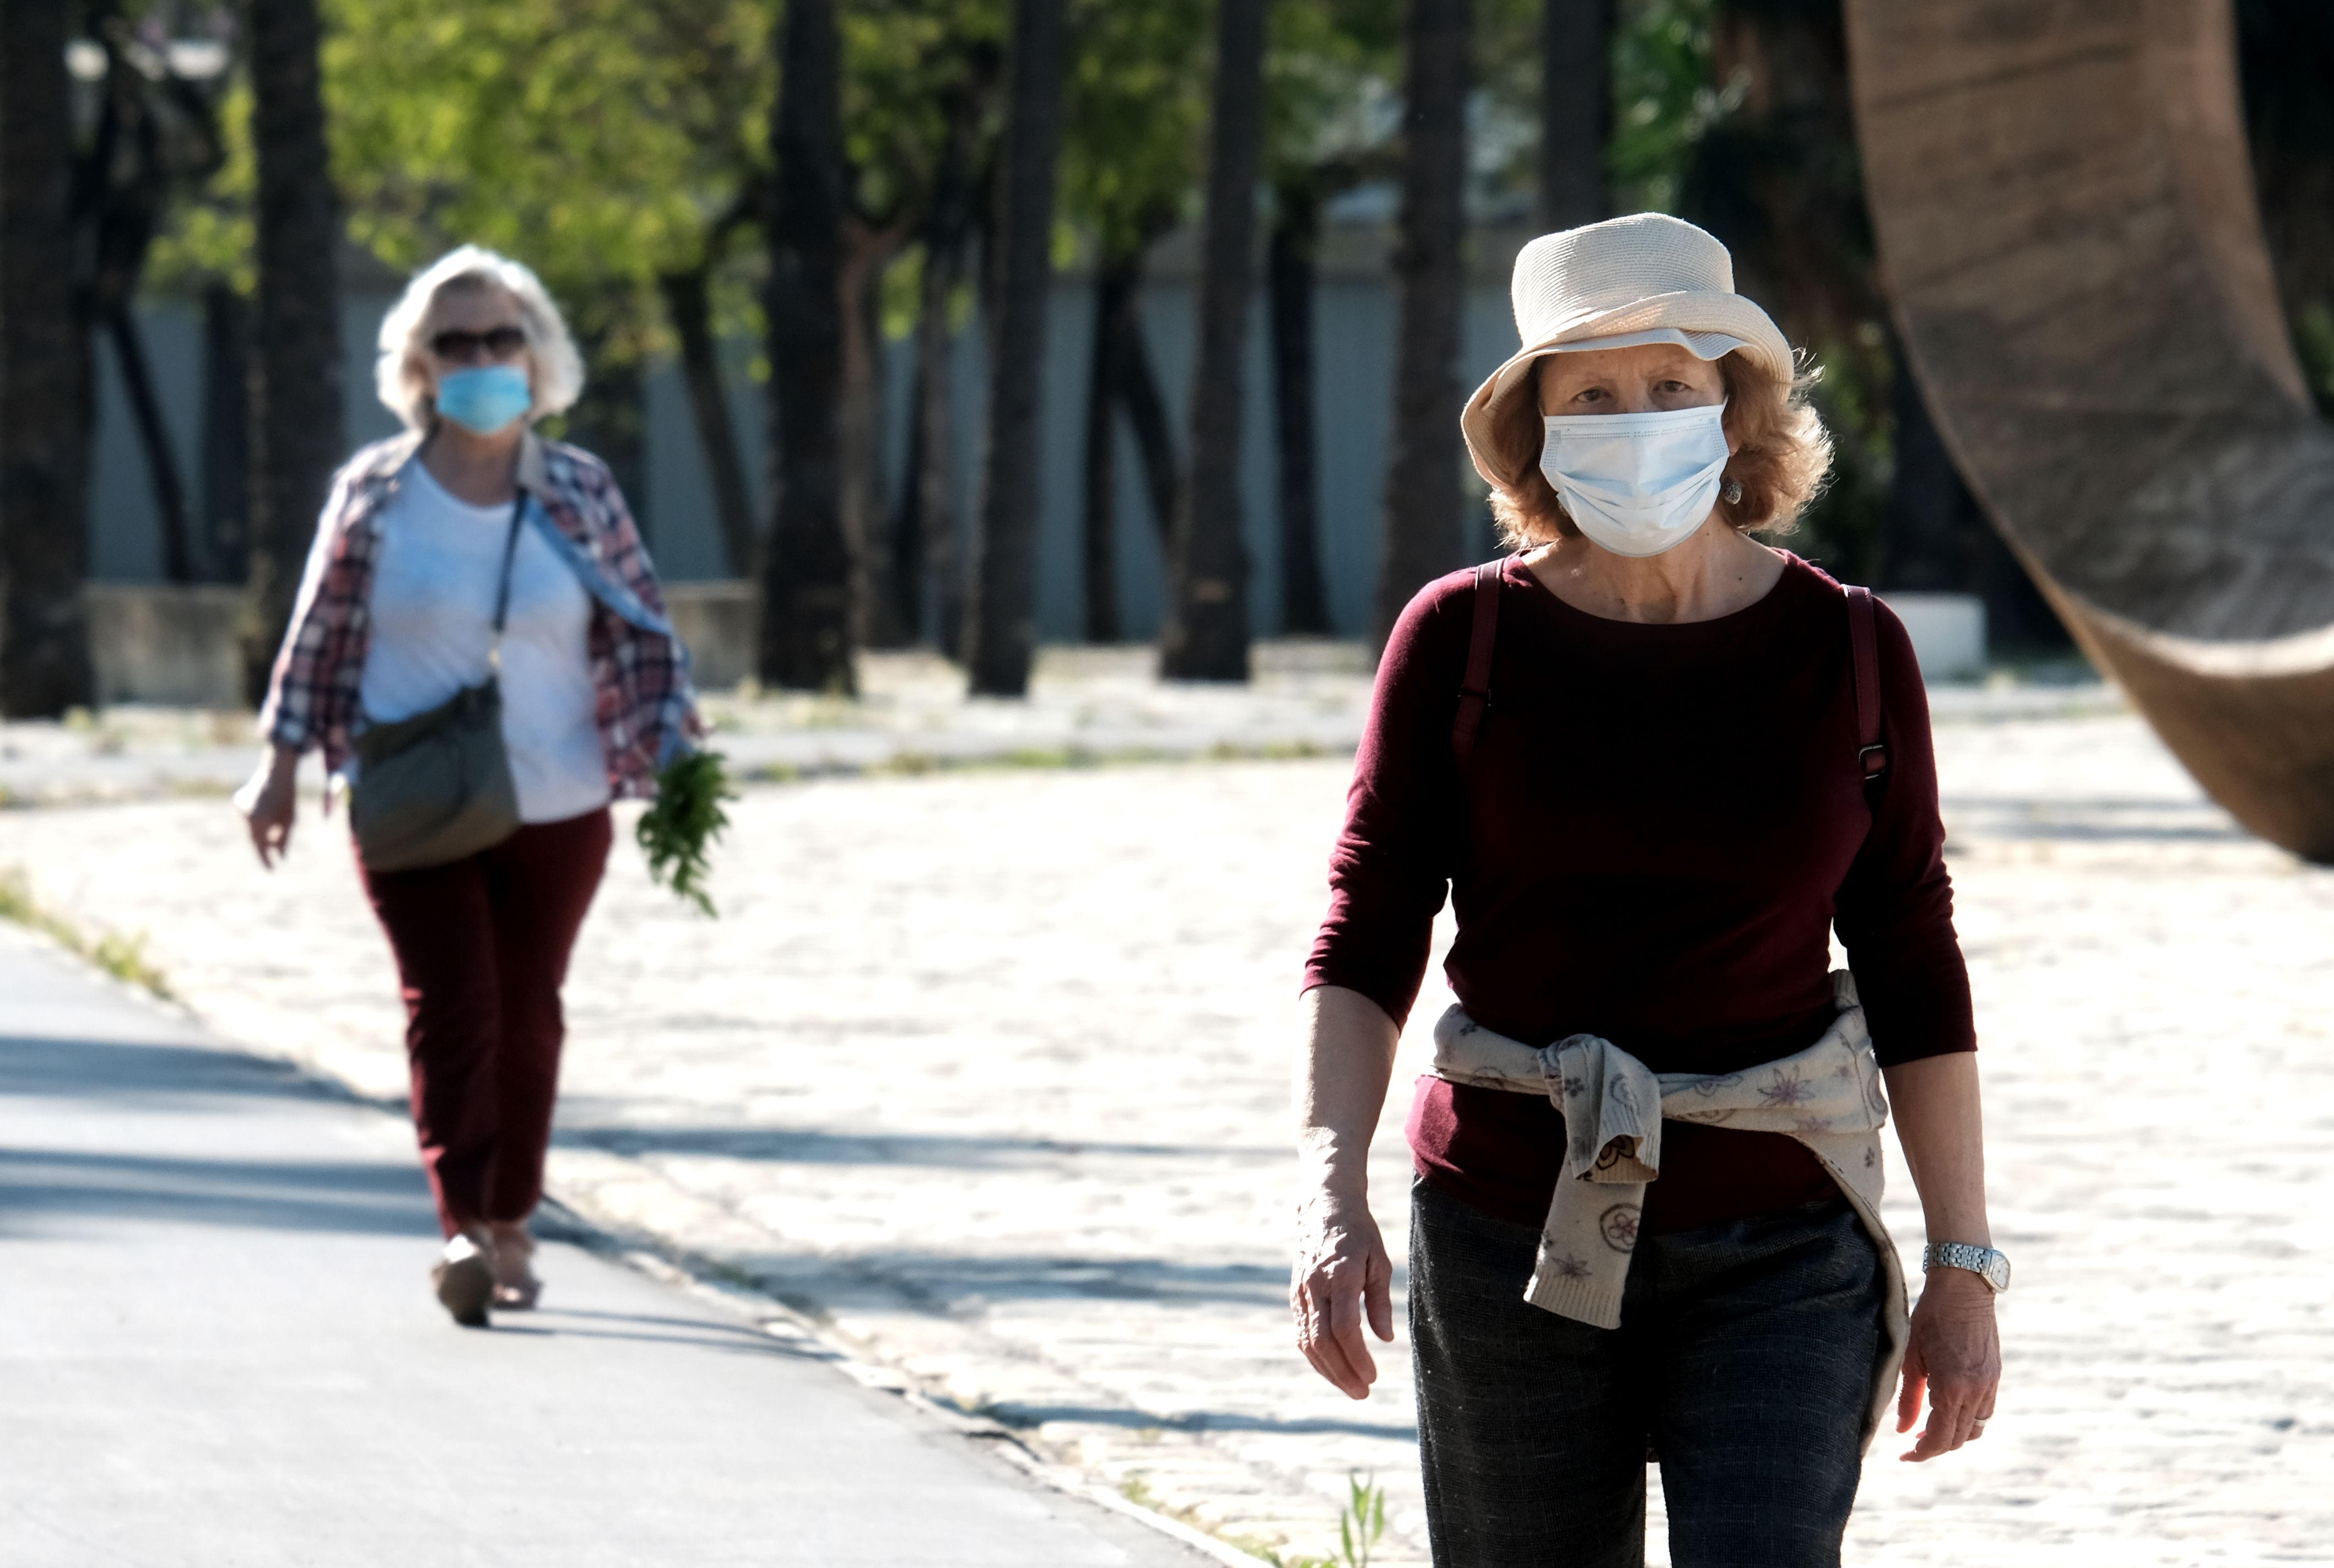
{"points": [[515, 1286], [464, 1276]]}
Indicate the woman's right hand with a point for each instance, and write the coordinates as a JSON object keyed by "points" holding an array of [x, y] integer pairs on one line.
{"points": [[1342, 1274], [268, 801]]}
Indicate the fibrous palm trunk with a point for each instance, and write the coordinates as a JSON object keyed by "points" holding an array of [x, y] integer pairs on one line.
{"points": [[1423, 502], [1000, 617], [1206, 631], [806, 637], [45, 377], [297, 428]]}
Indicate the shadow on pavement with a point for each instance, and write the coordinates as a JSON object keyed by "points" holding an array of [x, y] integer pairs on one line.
{"points": [[366, 1197], [1014, 1415], [88, 1068]]}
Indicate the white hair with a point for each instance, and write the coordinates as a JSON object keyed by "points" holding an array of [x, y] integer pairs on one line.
{"points": [[400, 375]]}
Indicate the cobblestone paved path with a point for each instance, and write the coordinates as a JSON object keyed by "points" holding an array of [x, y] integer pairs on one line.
{"points": [[989, 1070]]}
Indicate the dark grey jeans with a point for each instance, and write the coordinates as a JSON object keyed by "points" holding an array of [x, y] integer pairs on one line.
{"points": [[1744, 1357]]}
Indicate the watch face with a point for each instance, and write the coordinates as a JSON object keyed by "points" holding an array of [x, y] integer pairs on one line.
{"points": [[1997, 1271]]}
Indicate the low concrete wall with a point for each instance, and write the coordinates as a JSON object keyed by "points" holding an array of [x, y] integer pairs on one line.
{"points": [[156, 643], [171, 645], [719, 622], [1948, 631]]}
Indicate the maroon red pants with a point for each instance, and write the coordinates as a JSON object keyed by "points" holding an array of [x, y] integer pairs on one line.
{"points": [[482, 949]]}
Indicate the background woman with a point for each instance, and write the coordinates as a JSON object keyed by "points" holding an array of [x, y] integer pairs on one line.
{"points": [[394, 618], [1664, 816]]}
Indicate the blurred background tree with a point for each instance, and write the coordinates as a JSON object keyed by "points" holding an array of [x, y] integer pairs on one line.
{"points": [[622, 148], [1332, 72], [1135, 125]]}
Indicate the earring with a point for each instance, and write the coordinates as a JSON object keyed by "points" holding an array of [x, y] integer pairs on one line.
{"points": [[1734, 492]]}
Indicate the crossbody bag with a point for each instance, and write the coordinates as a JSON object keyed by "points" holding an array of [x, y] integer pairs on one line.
{"points": [[436, 787]]}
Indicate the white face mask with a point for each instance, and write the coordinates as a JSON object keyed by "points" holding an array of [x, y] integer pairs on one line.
{"points": [[1637, 484]]}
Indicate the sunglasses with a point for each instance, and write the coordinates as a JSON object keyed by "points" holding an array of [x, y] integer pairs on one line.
{"points": [[499, 342]]}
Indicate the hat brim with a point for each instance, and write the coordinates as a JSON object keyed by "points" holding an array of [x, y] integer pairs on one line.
{"points": [[1695, 321]]}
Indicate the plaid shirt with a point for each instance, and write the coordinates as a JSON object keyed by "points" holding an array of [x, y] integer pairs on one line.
{"points": [[646, 709]]}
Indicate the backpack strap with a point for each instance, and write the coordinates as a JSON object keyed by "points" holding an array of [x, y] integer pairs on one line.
{"points": [[1475, 691], [1871, 751]]}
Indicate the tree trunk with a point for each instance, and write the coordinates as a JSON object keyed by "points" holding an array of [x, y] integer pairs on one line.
{"points": [[296, 428], [1296, 239], [1925, 538], [867, 252], [227, 433], [1575, 111], [1206, 631], [688, 304], [154, 440], [44, 377], [806, 593], [1146, 411], [609, 419], [1001, 631], [1423, 502], [924, 522], [1114, 283]]}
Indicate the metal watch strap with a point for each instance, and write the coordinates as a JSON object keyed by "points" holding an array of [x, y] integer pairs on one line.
{"points": [[1987, 1263]]}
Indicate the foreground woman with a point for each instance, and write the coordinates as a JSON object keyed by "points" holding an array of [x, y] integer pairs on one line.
{"points": [[479, 596], [1657, 764]]}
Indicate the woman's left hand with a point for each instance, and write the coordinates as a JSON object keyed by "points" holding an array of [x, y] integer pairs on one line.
{"points": [[1955, 1354]]}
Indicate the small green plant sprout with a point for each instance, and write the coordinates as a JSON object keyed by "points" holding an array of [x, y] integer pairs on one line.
{"points": [[684, 819], [1362, 1524]]}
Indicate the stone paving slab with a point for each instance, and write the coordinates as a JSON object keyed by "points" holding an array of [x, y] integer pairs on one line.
{"points": [[990, 1071]]}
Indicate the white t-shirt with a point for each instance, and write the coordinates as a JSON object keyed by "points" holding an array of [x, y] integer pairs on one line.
{"points": [[433, 612]]}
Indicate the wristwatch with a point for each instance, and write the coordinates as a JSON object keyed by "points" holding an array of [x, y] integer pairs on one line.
{"points": [[1984, 1262]]}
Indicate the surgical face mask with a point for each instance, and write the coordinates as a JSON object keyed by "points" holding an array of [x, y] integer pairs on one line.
{"points": [[1637, 484], [485, 397]]}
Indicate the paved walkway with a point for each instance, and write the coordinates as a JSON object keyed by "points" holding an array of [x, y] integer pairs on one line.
{"points": [[220, 1349], [990, 1071]]}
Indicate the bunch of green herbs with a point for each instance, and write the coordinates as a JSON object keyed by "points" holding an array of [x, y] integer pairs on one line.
{"points": [[684, 819]]}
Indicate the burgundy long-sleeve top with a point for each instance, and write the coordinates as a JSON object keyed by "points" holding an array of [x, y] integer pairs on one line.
{"points": [[1659, 830]]}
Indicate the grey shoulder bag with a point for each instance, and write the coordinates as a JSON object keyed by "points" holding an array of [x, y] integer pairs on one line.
{"points": [[435, 788]]}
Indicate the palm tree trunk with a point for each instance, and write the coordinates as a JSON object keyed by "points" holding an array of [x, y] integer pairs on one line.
{"points": [[1146, 412], [924, 523], [44, 377], [805, 639], [1000, 617], [1575, 111], [1207, 631], [1113, 286], [1424, 503], [867, 252], [227, 433], [1296, 239], [688, 305], [297, 428]]}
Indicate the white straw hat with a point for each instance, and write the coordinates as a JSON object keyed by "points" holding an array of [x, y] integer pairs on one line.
{"points": [[1641, 279]]}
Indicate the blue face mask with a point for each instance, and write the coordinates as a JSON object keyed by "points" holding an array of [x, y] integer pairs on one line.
{"points": [[485, 399]]}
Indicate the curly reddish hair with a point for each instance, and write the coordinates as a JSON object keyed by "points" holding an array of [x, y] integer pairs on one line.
{"points": [[1781, 455]]}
